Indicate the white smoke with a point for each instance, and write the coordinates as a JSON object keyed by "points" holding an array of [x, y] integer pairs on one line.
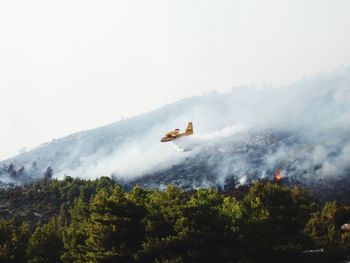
{"points": [[314, 113]]}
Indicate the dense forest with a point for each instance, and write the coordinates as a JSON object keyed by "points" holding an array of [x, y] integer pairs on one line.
{"points": [[75, 220]]}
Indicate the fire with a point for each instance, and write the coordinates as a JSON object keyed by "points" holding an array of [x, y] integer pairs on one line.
{"points": [[278, 176]]}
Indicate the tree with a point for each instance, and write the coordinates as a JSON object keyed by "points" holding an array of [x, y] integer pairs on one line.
{"points": [[324, 227], [274, 218], [20, 242], [6, 245], [163, 210], [13, 241], [11, 170], [75, 235], [21, 171], [115, 229], [45, 245], [207, 227], [48, 173]]}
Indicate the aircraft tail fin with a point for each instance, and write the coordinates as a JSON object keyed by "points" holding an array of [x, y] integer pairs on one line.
{"points": [[189, 129]]}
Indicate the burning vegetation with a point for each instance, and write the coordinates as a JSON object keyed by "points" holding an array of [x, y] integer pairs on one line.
{"points": [[277, 177]]}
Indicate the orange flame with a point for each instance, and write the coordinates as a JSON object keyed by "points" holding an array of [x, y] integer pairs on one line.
{"points": [[278, 176]]}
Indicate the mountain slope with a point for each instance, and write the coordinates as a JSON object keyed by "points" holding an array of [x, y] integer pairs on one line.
{"points": [[245, 135]]}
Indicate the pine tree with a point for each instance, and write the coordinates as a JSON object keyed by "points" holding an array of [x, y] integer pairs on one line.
{"points": [[48, 173], [115, 228], [11, 170], [75, 235], [45, 245]]}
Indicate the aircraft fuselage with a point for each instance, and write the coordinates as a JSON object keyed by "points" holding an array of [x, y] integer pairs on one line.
{"points": [[176, 134]]}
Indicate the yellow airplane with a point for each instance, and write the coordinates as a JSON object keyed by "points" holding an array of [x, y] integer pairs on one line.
{"points": [[173, 135]]}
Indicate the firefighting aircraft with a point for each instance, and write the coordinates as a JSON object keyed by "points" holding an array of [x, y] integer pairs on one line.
{"points": [[176, 134]]}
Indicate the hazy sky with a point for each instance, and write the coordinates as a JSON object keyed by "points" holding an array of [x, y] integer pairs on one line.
{"points": [[70, 65]]}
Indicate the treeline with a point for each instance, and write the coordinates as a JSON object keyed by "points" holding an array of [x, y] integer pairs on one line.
{"points": [[11, 175], [99, 221]]}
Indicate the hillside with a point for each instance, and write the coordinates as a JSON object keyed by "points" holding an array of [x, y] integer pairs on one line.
{"points": [[240, 136]]}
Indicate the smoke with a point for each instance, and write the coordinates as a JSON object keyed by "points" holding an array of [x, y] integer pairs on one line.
{"points": [[302, 129], [132, 159]]}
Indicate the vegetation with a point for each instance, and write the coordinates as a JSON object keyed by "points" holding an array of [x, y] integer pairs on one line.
{"points": [[74, 220]]}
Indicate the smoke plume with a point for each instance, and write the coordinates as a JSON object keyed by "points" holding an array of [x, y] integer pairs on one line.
{"points": [[302, 129]]}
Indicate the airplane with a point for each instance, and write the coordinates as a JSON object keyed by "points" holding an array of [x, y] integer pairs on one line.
{"points": [[176, 134]]}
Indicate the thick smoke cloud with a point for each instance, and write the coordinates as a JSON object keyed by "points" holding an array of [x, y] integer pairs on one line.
{"points": [[312, 114], [302, 129]]}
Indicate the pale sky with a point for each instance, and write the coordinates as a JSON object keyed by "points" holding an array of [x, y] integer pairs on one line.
{"points": [[67, 66]]}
